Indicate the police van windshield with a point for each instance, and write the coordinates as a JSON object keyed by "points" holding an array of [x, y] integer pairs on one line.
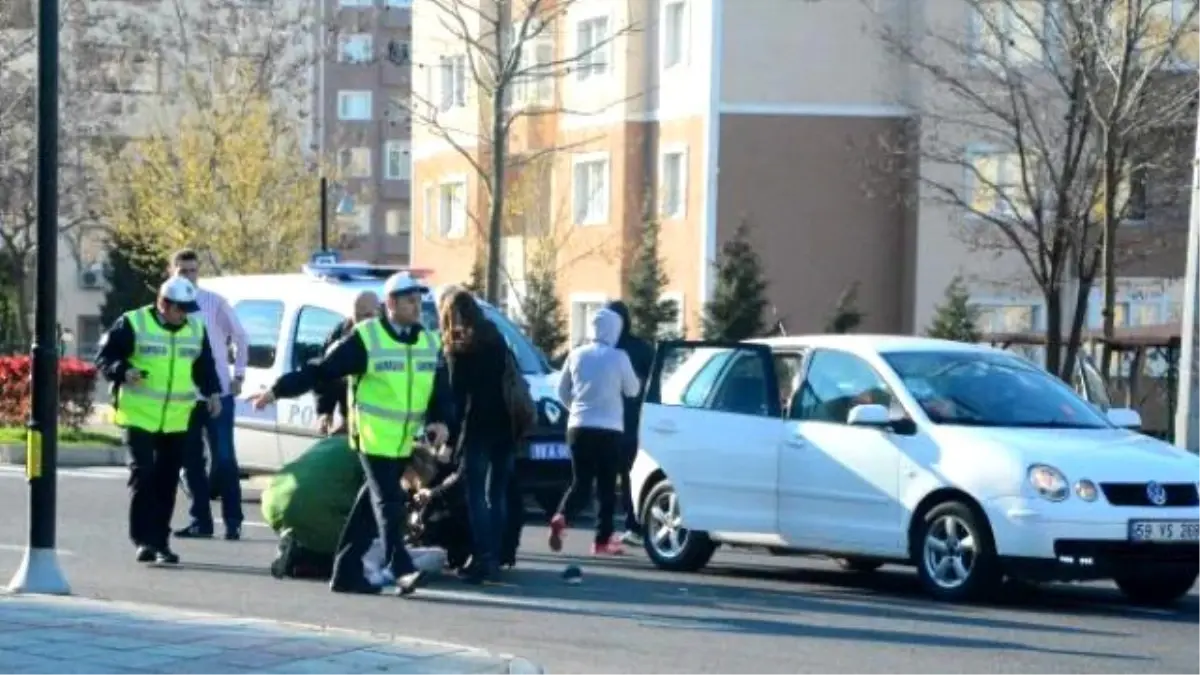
{"points": [[529, 358]]}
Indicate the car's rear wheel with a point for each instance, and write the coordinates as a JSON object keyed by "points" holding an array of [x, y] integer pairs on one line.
{"points": [[1157, 587], [670, 545], [859, 565], [955, 556]]}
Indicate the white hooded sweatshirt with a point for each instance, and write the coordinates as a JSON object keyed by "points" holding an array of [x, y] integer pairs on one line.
{"points": [[597, 377]]}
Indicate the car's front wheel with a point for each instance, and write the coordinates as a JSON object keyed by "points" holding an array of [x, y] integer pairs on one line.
{"points": [[1157, 587], [670, 545], [956, 559]]}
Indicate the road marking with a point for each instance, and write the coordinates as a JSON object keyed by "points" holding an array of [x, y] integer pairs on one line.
{"points": [[21, 549], [97, 472]]}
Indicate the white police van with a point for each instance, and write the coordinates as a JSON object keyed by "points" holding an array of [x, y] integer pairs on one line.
{"points": [[288, 317]]}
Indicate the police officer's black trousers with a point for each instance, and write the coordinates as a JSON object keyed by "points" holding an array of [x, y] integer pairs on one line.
{"points": [[155, 460], [381, 510]]}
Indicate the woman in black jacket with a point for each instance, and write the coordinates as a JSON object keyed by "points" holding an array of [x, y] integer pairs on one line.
{"points": [[476, 355]]}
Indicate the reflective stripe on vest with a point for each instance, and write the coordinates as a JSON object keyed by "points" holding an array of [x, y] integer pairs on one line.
{"points": [[165, 397], [388, 401]]}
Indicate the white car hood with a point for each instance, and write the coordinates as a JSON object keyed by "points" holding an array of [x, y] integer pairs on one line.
{"points": [[1107, 455]]}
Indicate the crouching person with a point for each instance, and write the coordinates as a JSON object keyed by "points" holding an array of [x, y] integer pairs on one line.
{"points": [[307, 503]]}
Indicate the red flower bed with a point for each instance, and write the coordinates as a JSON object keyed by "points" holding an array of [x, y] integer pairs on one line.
{"points": [[76, 388]]}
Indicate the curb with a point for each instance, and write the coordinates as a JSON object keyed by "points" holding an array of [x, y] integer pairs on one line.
{"points": [[74, 457]]}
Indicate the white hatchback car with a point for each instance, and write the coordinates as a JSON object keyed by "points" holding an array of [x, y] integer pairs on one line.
{"points": [[968, 462]]}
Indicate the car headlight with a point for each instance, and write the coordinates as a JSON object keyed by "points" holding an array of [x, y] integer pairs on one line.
{"points": [[1086, 490], [1049, 482]]}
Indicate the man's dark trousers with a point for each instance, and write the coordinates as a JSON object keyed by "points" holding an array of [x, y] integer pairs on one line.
{"points": [[154, 463], [222, 476], [380, 510]]}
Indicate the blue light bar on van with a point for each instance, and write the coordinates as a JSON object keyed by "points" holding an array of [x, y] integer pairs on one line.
{"points": [[351, 271]]}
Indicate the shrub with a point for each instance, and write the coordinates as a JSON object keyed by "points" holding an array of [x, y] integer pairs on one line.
{"points": [[76, 388]]}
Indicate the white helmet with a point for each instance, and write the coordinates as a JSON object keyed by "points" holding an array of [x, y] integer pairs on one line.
{"points": [[402, 282], [181, 292]]}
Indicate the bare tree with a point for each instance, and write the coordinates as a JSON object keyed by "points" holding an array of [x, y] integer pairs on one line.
{"points": [[1047, 110], [509, 59], [19, 155]]}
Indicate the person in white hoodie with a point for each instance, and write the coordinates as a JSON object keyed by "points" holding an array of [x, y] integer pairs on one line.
{"points": [[596, 378]]}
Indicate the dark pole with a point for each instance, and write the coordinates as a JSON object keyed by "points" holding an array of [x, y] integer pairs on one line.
{"points": [[39, 571], [324, 214]]}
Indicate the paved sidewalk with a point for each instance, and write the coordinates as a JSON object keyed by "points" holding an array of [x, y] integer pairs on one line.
{"points": [[40, 634]]}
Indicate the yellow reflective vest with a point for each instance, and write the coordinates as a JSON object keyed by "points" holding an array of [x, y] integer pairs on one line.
{"points": [[164, 398], [388, 401]]}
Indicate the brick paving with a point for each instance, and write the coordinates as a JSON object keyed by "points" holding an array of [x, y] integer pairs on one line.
{"points": [[43, 634]]}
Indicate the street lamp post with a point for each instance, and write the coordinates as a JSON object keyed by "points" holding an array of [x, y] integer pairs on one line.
{"points": [[39, 571]]}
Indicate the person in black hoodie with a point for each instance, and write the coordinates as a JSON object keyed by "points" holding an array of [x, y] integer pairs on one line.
{"points": [[641, 355], [476, 356]]}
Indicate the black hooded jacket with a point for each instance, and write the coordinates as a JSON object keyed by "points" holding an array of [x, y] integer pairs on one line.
{"points": [[641, 355]]}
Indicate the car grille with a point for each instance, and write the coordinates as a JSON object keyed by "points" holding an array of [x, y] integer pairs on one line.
{"points": [[1134, 494]]}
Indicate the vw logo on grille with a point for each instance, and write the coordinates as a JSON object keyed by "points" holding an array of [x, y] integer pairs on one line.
{"points": [[551, 410], [1156, 493]]}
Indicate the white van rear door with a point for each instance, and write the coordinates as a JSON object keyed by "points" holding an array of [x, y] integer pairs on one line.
{"points": [[309, 327], [255, 430]]}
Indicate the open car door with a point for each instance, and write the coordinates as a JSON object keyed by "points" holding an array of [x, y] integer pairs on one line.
{"points": [[711, 421]]}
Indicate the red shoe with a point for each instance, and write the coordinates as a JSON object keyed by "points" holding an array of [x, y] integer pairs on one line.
{"points": [[558, 528], [611, 547]]}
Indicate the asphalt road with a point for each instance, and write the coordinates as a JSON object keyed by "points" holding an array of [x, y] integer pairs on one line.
{"points": [[748, 613]]}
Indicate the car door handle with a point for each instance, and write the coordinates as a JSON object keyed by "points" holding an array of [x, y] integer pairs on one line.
{"points": [[664, 428]]}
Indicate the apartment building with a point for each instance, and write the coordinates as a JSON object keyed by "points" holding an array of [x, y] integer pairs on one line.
{"points": [[787, 115], [361, 118]]}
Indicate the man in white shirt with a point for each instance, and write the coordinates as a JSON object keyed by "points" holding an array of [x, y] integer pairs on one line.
{"points": [[222, 478]]}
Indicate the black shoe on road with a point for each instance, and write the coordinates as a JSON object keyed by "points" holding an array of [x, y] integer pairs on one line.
{"points": [[166, 556], [145, 554], [233, 534], [195, 531], [409, 583]]}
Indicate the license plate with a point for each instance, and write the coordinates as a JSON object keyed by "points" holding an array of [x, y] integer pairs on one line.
{"points": [[1164, 530], [549, 451]]}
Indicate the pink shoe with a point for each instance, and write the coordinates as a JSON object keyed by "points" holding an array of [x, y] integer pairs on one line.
{"points": [[558, 528], [611, 547]]}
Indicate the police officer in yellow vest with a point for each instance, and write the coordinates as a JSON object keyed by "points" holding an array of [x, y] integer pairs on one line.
{"points": [[399, 391], [156, 358]]}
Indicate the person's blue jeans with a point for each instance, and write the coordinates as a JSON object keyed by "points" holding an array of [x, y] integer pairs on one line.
{"points": [[222, 477], [487, 468]]}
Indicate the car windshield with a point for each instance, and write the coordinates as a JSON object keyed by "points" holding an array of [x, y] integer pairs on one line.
{"points": [[991, 390], [529, 358]]}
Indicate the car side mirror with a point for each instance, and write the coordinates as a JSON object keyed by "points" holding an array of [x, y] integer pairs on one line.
{"points": [[1125, 418], [869, 415]]}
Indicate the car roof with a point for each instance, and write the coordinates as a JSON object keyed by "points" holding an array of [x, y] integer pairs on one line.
{"points": [[329, 293], [869, 344]]}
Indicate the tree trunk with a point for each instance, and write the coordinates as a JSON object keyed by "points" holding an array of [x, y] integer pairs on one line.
{"points": [[1110, 256], [1054, 332], [1082, 291], [499, 160], [21, 279]]}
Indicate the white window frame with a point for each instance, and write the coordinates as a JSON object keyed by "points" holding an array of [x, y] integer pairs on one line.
{"points": [[684, 38], [345, 95], [577, 324], [387, 222], [429, 210], [457, 226], [362, 214], [590, 218], [980, 58], [681, 208], [452, 85], [365, 40], [536, 85], [680, 327], [404, 147], [348, 167], [598, 63], [1003, 206]]}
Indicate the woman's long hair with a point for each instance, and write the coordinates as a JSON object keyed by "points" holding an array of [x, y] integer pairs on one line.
{"points": [[463, 324]]}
